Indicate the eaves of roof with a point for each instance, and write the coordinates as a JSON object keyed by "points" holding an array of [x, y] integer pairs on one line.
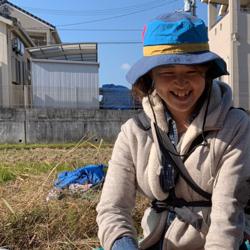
{"points": [[2, 2], [5, 19], [21, 32]]}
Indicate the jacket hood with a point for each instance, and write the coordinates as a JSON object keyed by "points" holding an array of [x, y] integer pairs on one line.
{"points": [[219, 105]]}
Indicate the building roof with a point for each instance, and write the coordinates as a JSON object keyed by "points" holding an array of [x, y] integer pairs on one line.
{"points": [[5, 19], [2, 2], [18, 29], [225, 2], [86, 52]]}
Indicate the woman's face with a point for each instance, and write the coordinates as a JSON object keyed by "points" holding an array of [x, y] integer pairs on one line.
{"points": [[179, 86]]}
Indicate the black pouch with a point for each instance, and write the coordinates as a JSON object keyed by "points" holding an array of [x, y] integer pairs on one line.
{"points": [[167, 175]]}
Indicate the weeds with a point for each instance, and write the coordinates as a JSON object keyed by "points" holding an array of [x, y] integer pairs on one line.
{"points": [[27, 220], [85, 144], [6, 174], [24, 170]]}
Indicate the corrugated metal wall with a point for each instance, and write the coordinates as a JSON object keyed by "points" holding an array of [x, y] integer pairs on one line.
{"points": [[65, 84]]}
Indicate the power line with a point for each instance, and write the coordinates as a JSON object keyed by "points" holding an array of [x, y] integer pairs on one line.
{"points": [[110, 42], [98, 11], [113, 17], [83, 29], [65, 29], [115, 42], [107, 18]]}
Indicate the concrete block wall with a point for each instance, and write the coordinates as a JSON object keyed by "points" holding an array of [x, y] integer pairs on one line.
{"points": [[12, 125], [60, 125]]}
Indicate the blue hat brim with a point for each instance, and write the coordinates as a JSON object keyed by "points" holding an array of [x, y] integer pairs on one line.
{"points": [[147, 63]]}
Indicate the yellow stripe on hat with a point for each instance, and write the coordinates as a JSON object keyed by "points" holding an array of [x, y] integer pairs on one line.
{"points": [[174, 49]]}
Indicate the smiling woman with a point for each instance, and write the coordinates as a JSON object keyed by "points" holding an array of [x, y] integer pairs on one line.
{"points": [[188, 151], [180, 87]]}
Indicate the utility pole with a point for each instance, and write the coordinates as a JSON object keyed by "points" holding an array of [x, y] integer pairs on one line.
{"points": [[190, 6]]}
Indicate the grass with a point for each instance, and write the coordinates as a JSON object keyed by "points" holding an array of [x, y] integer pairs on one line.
{"points": [[6, 175], [21, 161], [85, 144], [24, 170], [27, 175]]}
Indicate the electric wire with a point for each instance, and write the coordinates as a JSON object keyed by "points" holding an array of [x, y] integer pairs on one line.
{"points": [[106, 42], [106, 18], [143, 9], [122, 30], [109, 11], [119, 42], [88, 29]]}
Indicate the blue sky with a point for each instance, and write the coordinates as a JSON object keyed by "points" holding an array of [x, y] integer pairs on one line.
{"points": [[114, 24]]}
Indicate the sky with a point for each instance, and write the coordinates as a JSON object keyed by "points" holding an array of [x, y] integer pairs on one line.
{"points": [[114, 24]]}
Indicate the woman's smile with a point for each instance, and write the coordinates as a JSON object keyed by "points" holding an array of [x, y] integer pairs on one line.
{"points": [[181, 95], [180, 87]]}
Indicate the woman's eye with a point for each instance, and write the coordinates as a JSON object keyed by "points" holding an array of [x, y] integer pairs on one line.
{"points": [[193, 72], [166, 74]]}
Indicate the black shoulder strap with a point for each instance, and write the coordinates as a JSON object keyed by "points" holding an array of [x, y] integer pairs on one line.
{"points": [[197, 141], [143, 122], [178, 164]]}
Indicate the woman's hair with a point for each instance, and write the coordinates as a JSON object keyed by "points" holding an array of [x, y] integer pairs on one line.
{"points": [[144, 85]]}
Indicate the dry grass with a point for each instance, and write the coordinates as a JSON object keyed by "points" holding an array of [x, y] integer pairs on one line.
{"points": [[28, 221]]}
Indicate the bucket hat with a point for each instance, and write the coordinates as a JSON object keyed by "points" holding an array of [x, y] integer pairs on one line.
{"points": [[176, 38]]}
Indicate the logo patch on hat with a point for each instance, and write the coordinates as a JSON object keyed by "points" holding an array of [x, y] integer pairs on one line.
{"points": [[143, 32]]}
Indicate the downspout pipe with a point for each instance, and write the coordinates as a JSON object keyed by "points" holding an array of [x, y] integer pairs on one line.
{"points": [[234, 10]]}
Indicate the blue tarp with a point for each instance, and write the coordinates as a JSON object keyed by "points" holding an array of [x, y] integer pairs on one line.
{"points": [[116, 97], [90, 174]]}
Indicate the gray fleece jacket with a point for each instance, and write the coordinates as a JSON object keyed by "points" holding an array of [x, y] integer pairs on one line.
{"points": [[221, 168]]}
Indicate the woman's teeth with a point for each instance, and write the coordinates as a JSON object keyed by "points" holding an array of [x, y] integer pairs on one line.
{"points": [[181, 94]]}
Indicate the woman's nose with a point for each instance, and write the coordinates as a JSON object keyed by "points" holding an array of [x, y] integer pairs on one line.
{"points": [[181, 80]]}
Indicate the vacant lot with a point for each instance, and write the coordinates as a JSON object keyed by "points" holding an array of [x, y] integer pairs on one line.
{"points": [[28, 221]]}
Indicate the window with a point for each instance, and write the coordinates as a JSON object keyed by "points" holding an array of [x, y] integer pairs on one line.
{"points": [[38, 38], [19, 75], [18, 70]]}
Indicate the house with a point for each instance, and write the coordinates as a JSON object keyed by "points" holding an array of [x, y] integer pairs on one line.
{"points": [[40, 31], [229, 36], [13, 62], [38, 70], [19, 30]]}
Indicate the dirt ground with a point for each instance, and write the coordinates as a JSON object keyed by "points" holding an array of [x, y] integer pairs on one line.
{"points": [[28, 221]]}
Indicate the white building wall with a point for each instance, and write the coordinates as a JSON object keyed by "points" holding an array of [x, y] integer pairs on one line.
{"points": [[244, 59], [4, 64], [219, 42], [230, 38], [65, 84]]}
